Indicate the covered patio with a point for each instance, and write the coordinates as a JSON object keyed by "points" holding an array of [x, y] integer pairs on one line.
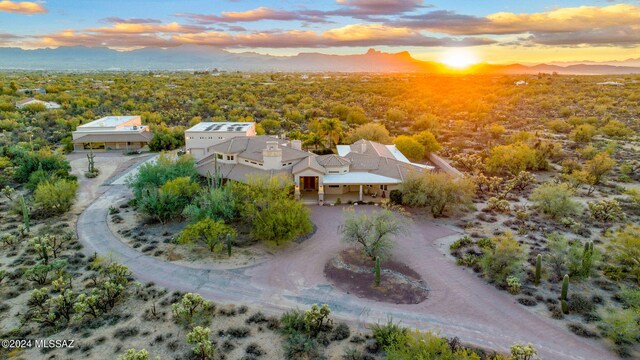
{"points": [[357, 186]]}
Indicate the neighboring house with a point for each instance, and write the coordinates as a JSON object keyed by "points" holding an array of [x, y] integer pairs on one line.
{"points": [[611, 83], [112, 133], [521, 82], [205, 134], [365, 168], [31, 91], [49, 105]]}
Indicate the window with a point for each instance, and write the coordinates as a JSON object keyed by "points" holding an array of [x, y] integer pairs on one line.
{"points": [[333, 172], [383, 187], [230, 157], [219, 156], [334, 186]]}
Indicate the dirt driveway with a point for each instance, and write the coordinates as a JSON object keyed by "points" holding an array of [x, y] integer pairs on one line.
{"points": [[459, 303]]}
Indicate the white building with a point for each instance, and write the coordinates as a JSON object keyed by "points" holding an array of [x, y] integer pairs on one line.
{"points": [[49, 105], [202, 136], [112, 133]]}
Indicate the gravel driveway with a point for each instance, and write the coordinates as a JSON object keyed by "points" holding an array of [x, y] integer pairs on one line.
{"points": [[459, 303]]}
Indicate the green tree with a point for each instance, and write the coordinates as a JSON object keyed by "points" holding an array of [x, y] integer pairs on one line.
{"points": [[437, 191], [371, 131], [332, 129], [428, 140], [503, 260], [410, 147], [374, 231], [511, 159], [56, 196], [555, 200], [594, 171], [208, 231]]}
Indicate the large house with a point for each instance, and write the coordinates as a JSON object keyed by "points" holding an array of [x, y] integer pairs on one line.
{"points": [[49, 105], [360, 171], [205, 134], [112, 133]]}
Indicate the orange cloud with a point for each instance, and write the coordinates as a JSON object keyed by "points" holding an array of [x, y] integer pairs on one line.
{"points": [[141, 28], [558, 20], [24, 7]]}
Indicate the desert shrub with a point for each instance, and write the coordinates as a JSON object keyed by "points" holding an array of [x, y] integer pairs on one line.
{"points": [[301, 347], [238, 332], [555, 200], [437, 191], [29, 162], [389, 334], [583, 133], [559, 126], [564, 257], [630, 297], [460, 243], [341, 332], [581, 330], [578, 304], [504, 260], [212, 233], [56, 196], [620, 325], [624, 247], [292, 322], [426, 346]]}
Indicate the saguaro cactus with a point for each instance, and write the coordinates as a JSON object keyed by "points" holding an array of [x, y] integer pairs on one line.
{"points": [[538, 269], [25, 212], [587, 258], [229, 245], [377, 271], [563, 295], [92, 165]]}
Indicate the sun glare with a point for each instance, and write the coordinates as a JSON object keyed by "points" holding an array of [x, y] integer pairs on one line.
{"points": [[459, 58]]}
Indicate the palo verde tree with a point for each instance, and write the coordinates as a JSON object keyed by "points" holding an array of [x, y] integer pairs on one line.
{"points": [[375, 230]]}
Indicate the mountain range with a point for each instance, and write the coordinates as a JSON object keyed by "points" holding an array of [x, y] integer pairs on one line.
{"points": [[191, 57]]}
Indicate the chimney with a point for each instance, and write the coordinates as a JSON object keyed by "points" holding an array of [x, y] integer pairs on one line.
{"points": [[296, 144], [272, 156], [363, 147]]}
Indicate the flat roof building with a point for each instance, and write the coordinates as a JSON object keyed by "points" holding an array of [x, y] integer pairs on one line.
{"points": [[112, 133], [203, 135]]}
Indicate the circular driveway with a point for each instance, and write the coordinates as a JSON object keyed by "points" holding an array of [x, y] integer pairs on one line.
{"points": [[459, 303]]}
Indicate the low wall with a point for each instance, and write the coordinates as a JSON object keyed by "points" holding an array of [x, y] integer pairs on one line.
{"points": [[445, 166]]}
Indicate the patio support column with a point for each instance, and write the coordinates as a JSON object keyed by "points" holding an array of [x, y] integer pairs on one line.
{"points": [[360, 192]]}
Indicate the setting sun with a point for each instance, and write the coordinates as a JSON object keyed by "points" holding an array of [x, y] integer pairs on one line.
{"points": [[459, 58]]}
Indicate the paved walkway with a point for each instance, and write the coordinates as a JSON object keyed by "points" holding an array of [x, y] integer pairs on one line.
{"points": [[459, 304]]}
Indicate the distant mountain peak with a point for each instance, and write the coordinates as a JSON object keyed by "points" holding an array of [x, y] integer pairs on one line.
{"points": [[200, 57]]}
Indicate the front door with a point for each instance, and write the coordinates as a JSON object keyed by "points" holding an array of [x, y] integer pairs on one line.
{"points": [[309, 182]]}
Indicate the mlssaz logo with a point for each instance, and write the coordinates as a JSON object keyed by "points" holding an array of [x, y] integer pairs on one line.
{"points": [[54, 343]]}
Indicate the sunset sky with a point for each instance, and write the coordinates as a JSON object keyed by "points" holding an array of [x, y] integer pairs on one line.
{"points": [[525, 31]]}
